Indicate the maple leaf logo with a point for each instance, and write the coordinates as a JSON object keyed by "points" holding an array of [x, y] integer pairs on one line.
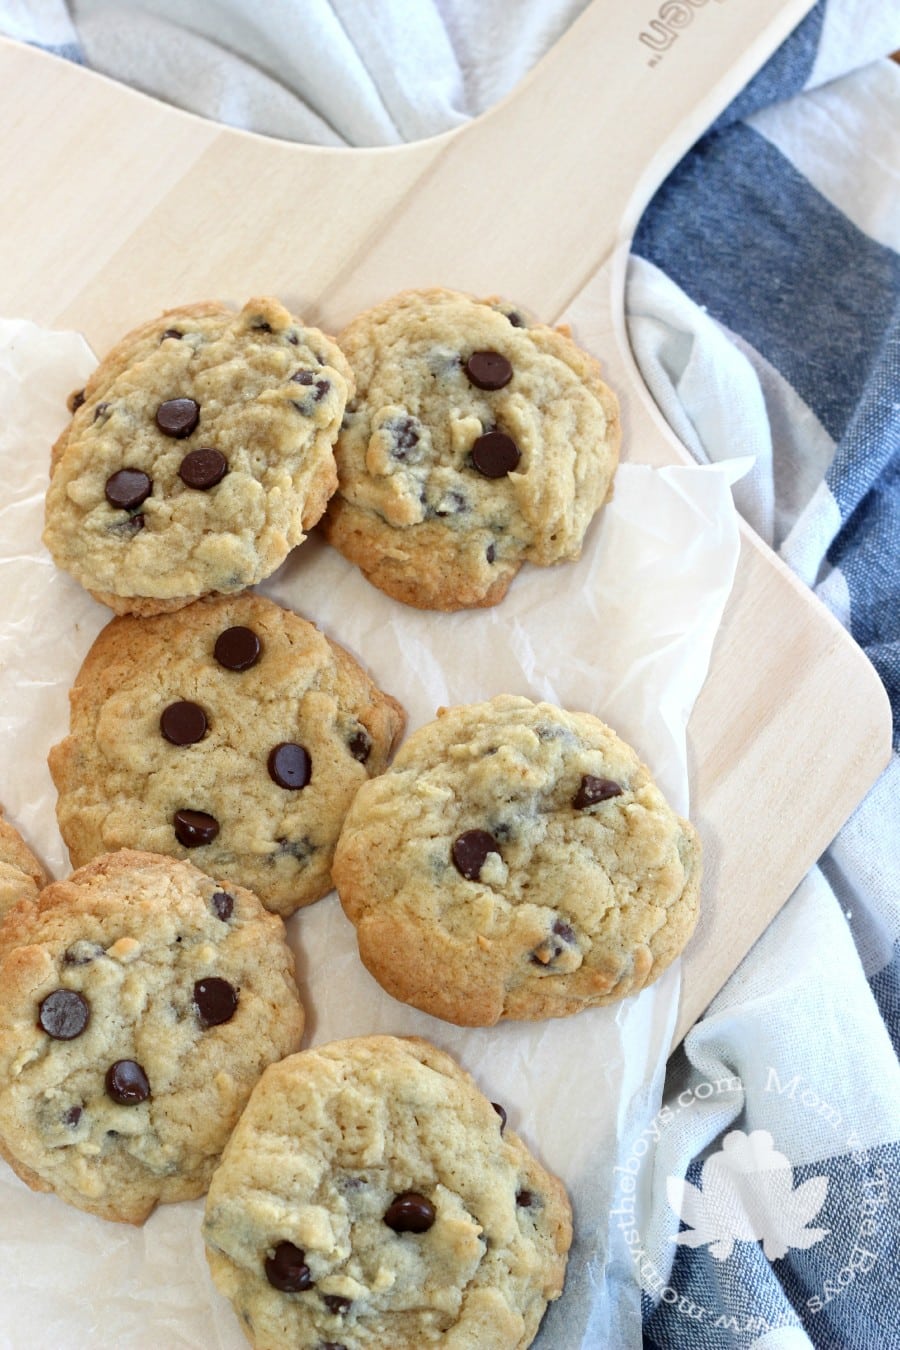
{"points": [[748, 1195]]}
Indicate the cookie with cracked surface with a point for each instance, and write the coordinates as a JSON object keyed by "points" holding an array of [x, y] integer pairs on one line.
{"points": [[371, 1196], [516, 861], [477, 440], [139, 1003], [231, 733], [21, 875], [199, 453]]}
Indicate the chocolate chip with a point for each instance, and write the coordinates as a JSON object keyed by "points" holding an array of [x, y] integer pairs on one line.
{"points": [[594, 790], [490, 553], [546, 952], [216, 1001], [308, 377], [130, 526], [237, 648], [488, 370], [82, 952], [516, 319], [72, 1116], [289, 765], [360, 745], [178, 417], [223, 904], [410, 1213], [183, 723], [127, 1083], [286, 1269], [501, 1113], [64, 1014], [495, 454], [525, 1199], [202, 469], [262, 327], [100, 411], [470, 850], [405, 434], [75, 400], [300, 849], [564, 930], [193, 828], [127, 488], [337, 1305], [452, 503], [171, 333]]}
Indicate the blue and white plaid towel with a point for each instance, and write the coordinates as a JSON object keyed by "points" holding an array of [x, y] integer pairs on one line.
{"points": [[764, 305]]}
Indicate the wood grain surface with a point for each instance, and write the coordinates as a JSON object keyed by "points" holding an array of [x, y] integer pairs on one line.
{"points": [[115, 207]]}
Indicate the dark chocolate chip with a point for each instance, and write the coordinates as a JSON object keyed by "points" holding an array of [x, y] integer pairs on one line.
{"points": [[335, 1304], [490, 553], [128, 527], [64, 1014], [470, 850], [75, 400], [564, 930], [495, 454], [286, 1269], [193, 828], [501, 1113], [237, 648], [178, 417], [100, 411], [410, 1213], [516, 319], [293, 339], [82, 952], [289, 765], [127, 1083], [488, 370], [594, 790], [405, 434], [525, 1199], [127, 488], [216, 1001], [171, 333], [547, 951], [202, 469], [451, 504], [183, 723], [308, 377], [360, 745], [223, 904], [72, 1116]]}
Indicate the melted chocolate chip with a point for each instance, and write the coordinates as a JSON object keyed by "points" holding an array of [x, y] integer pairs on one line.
{"points": [[172, 333], [495, 454], [127, 488], [452, 503], [262, 327], [490, 553], [237, 648], [183, 723], [286, 1269], [203, 469], [72, 1116], [100, 411], [564, 930], [360, 745], [525, 1199], [300, 849], [290, 765], [82, 952], [194, 828], [594, 790], [223, 904], [216, 1001], [64, 1014], [410, 1213], [178, 417], [129, 527], [501, 1112], [75, 400], [336, 1305], [470, 850], [488, 370], [405, 434], [516, 319], [127, 1083], [546, 952]]}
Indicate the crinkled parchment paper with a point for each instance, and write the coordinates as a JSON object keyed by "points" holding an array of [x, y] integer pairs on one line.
{"points": [[625, 633]]}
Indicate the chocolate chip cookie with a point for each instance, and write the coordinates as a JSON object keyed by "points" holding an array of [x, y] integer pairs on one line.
{"points": [[139, 1003], [372, 1197], [198, 454], [231, 732], [516, 861], [477, 440], [21, 875]]}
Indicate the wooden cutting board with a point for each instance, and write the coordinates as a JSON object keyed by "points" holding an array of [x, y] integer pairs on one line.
{"points": [[113, 207]]}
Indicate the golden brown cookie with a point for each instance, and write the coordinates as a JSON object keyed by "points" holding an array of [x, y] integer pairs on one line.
{"points": [[372, 1197], [139, 1003], [232, 733], [199, 453], [21, 875], [477, 440], [516, 861]]}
